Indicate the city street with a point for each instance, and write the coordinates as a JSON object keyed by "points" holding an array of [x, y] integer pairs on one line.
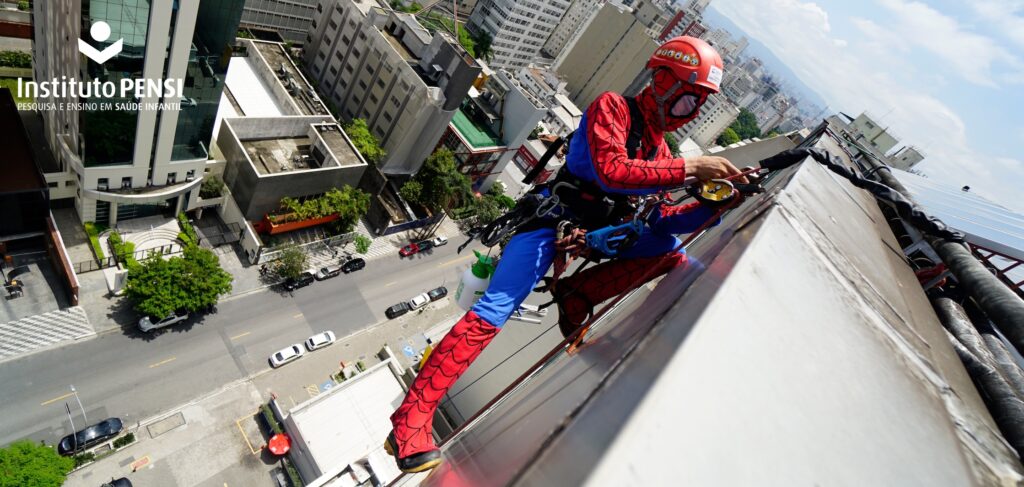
{"points": [[126, 374]]}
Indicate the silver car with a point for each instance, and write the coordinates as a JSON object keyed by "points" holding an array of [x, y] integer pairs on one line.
{"points": [[150, 323]]}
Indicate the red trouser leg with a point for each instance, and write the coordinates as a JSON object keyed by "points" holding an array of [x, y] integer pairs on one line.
{"points": [[452, 356], [580, 293]]}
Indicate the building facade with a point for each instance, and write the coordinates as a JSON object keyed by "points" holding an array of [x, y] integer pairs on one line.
{"points": [[607, 54], [575, 17], [384, 67], [134, 156], [291, 19], [715, 116], [518, 29]]}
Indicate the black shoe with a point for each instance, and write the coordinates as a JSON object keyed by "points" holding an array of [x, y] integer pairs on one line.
{"points": [[413, 463]]}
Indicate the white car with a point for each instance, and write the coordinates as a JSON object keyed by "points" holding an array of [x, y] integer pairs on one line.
{"points": [[150, 323], [286, 355], [419, 301], [320, 340], [439, 240]]}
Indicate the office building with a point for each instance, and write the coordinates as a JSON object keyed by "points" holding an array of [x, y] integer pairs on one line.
{"points": [[129, 155], [382, 66], [291, 19], [518, 29]]}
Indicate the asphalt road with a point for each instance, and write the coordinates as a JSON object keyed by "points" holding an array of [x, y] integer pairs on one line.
{"points": [[126, 374]]}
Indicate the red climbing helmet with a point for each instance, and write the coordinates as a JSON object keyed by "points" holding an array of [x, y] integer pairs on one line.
{"points": [[690, 60]]}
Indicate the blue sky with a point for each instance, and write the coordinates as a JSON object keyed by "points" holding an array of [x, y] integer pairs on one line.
{"points": [[946, 76]]}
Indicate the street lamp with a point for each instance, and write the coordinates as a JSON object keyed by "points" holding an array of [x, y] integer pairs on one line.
{"points": [[73, 391]]}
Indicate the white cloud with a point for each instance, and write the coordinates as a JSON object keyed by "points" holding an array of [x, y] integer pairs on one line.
{"points": [[1006, 17], [862, 77], [972, 56], [840, 43]]}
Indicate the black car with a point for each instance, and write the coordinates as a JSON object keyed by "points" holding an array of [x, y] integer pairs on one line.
{"points": [[425, 245], [397, 310], [303, 280], [437, 293], [121, 482], [353, 265], [97, 433]]}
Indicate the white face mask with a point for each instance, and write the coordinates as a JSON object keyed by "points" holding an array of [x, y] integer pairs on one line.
{"points": [[685, 105]]}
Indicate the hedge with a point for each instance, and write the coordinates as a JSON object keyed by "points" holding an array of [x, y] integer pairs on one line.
{"points": [[93, 231]]}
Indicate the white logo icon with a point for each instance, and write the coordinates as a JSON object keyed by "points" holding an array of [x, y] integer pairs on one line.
{"points": [[100, 32]]}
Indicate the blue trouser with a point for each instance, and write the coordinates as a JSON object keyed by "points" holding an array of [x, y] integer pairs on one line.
{"points": [[528, 256]]}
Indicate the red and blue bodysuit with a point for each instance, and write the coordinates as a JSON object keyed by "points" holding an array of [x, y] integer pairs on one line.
{"points": [[598, 155]]}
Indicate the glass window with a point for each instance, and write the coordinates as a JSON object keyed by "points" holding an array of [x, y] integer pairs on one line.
{"points": [[103, 184], [172, 178], [126, 182]]}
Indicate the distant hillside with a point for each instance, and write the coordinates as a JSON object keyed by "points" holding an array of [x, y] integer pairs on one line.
{"points": [[774, 65]]}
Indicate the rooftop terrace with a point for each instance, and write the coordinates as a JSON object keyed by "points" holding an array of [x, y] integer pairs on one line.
{"points": [[478, 135], [277, 155], [300, 91]]}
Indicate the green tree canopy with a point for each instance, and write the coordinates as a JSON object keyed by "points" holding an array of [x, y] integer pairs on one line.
{"points": [[192, 282], [486, 208], [673, 143], [745, 125], [728, 137], [349, 203], [362, 243], [365, 142], [482, 46], [28, 464], [412, 191], [443, 185], [292, 262]]}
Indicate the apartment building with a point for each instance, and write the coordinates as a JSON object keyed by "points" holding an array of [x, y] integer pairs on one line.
{"points": [[125, 155], [382, 66], [518, 28], [575, 17], [608, 54]]}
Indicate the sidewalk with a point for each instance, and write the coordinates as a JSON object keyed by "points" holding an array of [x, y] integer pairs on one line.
{"points": [[216, 441]]}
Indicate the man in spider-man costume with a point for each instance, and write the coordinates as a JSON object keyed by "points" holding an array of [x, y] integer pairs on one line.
{"points": [[685, 71]]}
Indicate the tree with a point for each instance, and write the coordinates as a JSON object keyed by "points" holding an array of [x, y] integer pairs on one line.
{"points": [[482, 48], [412, 192], [535, 133], [673, 143], [443, 185], [211, 187], [486, 209], [362, 243], [191, 282], [745, 125], [728, 137], [366, 143], [291, 263], [26, 463]]}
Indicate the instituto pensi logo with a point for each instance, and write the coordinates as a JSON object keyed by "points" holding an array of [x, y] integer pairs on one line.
{"points": [[100, 32], [124, 94]]}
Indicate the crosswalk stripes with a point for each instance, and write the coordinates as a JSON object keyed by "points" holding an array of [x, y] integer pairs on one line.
{"points": [[42, 330]]}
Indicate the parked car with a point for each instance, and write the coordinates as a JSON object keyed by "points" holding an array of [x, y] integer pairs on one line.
{"points": [[409, 250], [150, 323], [353, 265], [320, 340], [439, 240], [437, 293], [419, 301], [425, 245], [397, 310], [327, 272], [93, 435], [121, 482], [303, 280], [286, 355]]}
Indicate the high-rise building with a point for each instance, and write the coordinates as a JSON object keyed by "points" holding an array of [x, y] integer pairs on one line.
{"points": [[715, 116], [651, 14], [384, 67], [132, 152], [575, 17], [607, 54], [291, 19], [518, 29]]}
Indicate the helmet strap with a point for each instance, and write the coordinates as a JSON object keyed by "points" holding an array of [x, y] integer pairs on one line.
{"points": [[662, 100]]}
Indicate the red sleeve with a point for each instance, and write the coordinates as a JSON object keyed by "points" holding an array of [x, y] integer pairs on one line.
{"points": [[607, 131], [667, 211]]}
